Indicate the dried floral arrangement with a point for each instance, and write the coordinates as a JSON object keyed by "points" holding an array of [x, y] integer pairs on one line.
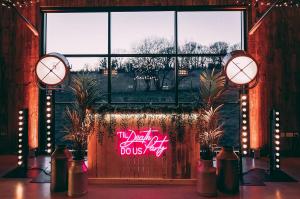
{"points": [[212, 87], [81, 115]]}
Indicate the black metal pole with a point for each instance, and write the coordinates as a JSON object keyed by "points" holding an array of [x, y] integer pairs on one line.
{"points": [[240, 144], [176, 58], [109, 58]]}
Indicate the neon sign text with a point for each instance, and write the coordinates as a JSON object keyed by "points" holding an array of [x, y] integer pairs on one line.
{"points": [[142, 142]]}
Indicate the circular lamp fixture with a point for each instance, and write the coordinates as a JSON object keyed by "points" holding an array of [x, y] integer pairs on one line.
{"points": [[52, 69], [240, 67]]}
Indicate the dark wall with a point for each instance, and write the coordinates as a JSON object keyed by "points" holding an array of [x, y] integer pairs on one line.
{"points": [[275, 45]]}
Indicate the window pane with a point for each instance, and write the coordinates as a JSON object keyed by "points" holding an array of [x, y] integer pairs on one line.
{"points": [[209, 31], [94, 67], [189, 70], [77, 33], [142, 32], [90, 66], [143, 79]]}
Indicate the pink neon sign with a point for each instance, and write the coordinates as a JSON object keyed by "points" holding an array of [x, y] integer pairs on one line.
{"points": [[142, 142]]}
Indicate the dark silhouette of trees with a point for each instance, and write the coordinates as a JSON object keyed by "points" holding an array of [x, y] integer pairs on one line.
{"points": [[156, 72], [153, 70], [218, 48]]}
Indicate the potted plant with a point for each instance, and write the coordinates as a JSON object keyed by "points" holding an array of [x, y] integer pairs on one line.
{"points": [[81, 124], [212, 86]]}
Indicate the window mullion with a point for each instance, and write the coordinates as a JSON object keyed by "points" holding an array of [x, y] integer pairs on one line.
{"points": [[176, 56], [109, 58]]}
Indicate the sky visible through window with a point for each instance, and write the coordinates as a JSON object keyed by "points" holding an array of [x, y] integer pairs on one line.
{"points": [[77, 33], [130, 28], [87, 33], [207, 27]]}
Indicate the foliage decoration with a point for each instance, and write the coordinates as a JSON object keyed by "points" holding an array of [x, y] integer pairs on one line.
{"points": [[212, 86], [80, 116]]}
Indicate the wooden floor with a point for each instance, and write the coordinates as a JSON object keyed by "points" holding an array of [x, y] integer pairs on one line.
{"points": [[23, 189]]}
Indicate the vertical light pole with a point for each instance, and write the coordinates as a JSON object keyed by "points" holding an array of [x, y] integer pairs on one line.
{"points": [[242, 72], [22, 138], [51, 71], [244, 115], [275, 141], [49, 122]]}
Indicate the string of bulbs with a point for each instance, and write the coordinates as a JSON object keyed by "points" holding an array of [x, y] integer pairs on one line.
{"points": [[281, 3], [18, 3], [267, 3]]}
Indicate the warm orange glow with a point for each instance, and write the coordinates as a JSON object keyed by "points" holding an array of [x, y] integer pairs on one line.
{"points": [[255, 118], [19, 191], [33, 116]]}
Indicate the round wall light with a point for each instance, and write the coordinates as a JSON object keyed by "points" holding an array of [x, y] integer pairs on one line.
{"points": [[240, 68], [52, 69]]}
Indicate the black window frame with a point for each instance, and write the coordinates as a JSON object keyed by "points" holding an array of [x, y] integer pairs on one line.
{"points": [[176, 55]]}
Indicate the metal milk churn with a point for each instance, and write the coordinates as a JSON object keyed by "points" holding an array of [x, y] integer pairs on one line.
{"points": [[228, 171], [206, 178], [59, 168]]}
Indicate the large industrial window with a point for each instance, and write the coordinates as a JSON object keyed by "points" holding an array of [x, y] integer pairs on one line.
{"points": [[152, 57]]}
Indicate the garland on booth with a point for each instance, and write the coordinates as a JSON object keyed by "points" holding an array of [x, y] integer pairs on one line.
{"points": [[172, 120]]}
